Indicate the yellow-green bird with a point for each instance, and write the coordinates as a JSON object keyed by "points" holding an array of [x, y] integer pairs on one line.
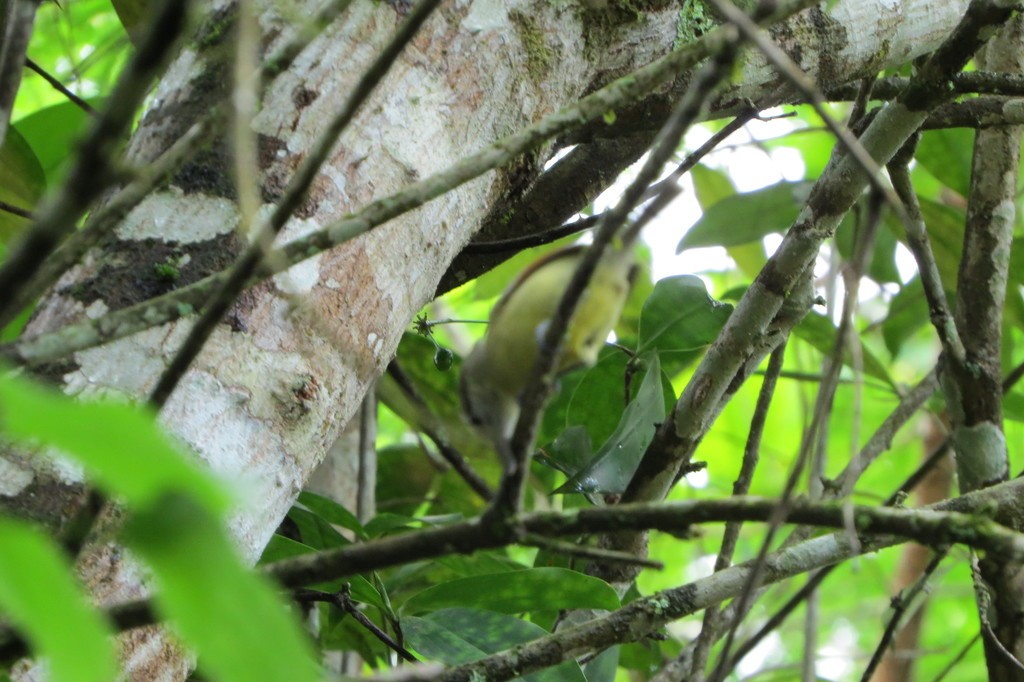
{"points": [[495, 372]]}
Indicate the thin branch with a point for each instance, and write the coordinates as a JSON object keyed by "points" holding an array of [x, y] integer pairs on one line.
{"points": [[920, 247], [710, 629], [149, 176], [792, 72], [16, 210], [59, 87], [900, 604], [662, 192], [446, 450], [343, 600], [961, 520], [960, 655], [579, 551]]}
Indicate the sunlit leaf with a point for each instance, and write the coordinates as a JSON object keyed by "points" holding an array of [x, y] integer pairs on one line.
{"points": [[22, 182], [53, 133], [743, 218], [947, 153], [819, 331]]}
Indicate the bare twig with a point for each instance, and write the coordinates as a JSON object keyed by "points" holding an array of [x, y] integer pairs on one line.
{"points": [[59, 87]]}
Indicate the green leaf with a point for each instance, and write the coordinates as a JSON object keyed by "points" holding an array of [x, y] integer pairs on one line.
{"points": [[743, 218], [316, 531], [908, 312], [53, 133], [882, 265], [331, 511], [22, 182], [456, 636], [569, 452], [946, 232], [710, 185], [598, 399], [132, 14], [120, 445], [518, 591], [231, 616], [1013, 405], [40, 596], [680, 316], [947, 154], [614, 464], [819, 331]]}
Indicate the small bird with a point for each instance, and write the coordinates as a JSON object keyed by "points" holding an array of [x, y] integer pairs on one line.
{"points": [[497, 369]]}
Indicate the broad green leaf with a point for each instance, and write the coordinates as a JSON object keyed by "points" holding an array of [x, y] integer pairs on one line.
{"points": [[743, 218], [598, 399], [40, 596], [456, 636], [132, 14], [819, 331], [710, 185], [22, 182], [814, 145], [53, 133], [882, 265], [614, 464], [908, 312], [518, 591], [946, 233], [280, 548], [680, 316], [231, 616], [331, 511], [569, 452], [947, 153], [316, 531], [120, 445], [1013, 405]]}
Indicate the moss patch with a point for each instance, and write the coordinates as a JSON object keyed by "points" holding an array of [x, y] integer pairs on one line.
{"points": [[538, 53]]}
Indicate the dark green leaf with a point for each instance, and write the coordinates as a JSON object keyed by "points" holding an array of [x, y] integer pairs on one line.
{"points": [[680, 316], [743, 218], [41, 596], [22, 182], [231, 616], [518, 591], [315, 531], [569, 452], [331, 511], [456, 636], [614, 464]]}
